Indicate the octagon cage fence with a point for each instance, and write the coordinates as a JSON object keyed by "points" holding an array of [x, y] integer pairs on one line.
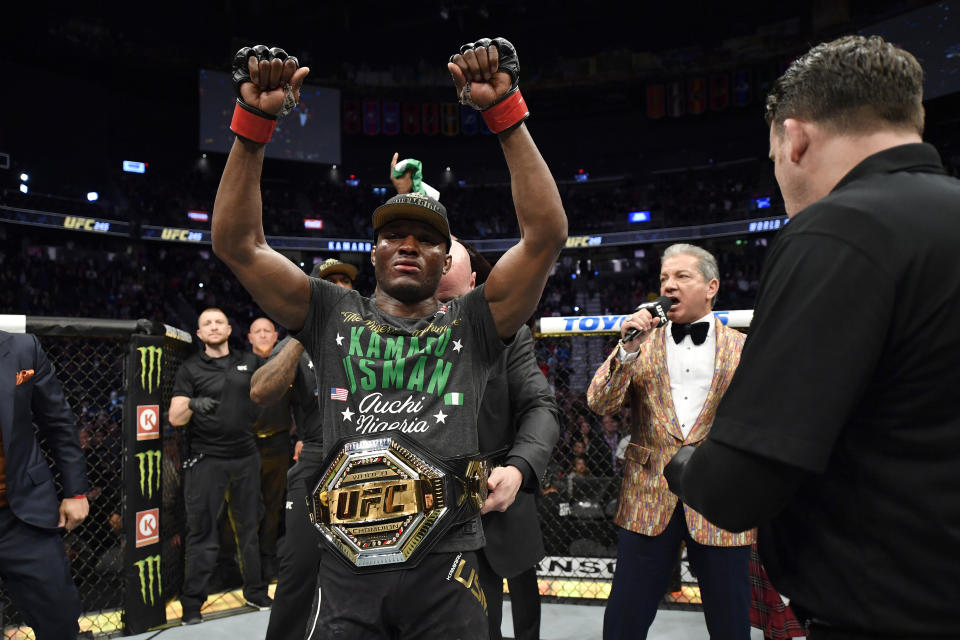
{"points": [[127, 557]]}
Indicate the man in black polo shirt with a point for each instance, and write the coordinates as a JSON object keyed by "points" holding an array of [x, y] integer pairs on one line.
{"points": [[840, 432], [290, 368], [211, 392]]}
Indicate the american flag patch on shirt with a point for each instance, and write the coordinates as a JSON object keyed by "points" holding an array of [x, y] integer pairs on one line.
{"points": [[338, 394]]}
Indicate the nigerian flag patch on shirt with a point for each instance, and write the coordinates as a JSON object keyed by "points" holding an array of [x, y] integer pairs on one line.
{"points": [[453, 398]]}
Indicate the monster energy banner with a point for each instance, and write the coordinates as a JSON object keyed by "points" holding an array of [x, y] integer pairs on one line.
{"points": [[144, 602]]}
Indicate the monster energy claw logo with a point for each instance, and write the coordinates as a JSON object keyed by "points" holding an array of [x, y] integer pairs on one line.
{"points": [[149, 569], [151, 359], [149, 462]]}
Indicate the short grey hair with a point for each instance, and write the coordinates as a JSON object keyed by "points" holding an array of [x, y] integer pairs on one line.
{"points": [[706, 263]]}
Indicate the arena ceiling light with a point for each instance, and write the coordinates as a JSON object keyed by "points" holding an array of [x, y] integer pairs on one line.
{"points": [[131, 166], [92, 196], [24, 188], [24, 177]]}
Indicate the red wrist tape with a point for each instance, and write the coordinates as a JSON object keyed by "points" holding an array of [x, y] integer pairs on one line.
{"points": [[504, 115], [251, 126]]}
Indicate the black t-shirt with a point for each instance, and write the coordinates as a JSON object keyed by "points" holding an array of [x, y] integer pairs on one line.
{"points": [[306, 408], [228, 432], [423, 377], [851, 371]]}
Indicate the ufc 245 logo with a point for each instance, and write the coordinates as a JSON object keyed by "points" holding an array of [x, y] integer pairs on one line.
{"points": [[148, 571], [151, 366]]}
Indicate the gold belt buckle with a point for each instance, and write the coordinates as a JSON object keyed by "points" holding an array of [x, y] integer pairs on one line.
{"points": [[382, 501]]}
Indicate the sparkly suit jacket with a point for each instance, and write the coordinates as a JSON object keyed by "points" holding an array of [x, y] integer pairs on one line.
{"points": [[646, 502]]}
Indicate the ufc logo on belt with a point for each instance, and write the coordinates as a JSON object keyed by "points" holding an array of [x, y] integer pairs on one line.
{"points": [[373, 501]]}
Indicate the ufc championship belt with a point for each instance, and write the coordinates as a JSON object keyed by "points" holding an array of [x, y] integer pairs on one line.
{"points": [[383, 502]]}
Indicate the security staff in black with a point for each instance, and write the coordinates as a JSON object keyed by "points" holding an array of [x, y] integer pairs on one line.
{"points": [[211, 392], [299, 550], [840, 432]]}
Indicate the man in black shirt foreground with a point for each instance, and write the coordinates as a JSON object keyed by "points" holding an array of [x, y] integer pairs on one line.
{"points": [[290, 368], [401, 363], [840, 432], [211, 392]]}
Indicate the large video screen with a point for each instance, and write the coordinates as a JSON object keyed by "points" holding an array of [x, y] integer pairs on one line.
{"points": [[932, 35], [311, 133]]}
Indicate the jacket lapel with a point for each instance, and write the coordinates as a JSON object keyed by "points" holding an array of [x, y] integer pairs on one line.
{"points": [[660, 390], [721, 363]]}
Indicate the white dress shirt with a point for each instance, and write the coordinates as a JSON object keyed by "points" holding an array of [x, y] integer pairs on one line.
{"points": [[690, 368]]}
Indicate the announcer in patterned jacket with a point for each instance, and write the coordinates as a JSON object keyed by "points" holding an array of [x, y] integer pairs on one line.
{"points": [[675, 378]]}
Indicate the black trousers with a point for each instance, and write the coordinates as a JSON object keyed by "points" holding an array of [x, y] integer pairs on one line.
{"points": [[524, 601], [208, 486], [439, 598], [274, 463], [644, 564], [36, 576], [299, 554]]}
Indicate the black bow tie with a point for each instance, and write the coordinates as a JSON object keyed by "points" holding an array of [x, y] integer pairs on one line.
{"points": [[697, 331]]}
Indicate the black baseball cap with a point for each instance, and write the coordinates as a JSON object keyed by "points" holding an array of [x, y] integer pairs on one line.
{"points": [[413, 206]]}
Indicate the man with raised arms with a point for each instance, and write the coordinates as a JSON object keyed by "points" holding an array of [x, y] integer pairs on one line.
{"points": [[401, 361]]}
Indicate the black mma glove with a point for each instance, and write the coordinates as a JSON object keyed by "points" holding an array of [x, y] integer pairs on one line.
{"points": [[203, 406], [250, 122], [509, 109]]}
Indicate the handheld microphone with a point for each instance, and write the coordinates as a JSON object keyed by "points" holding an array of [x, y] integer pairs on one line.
{"points": [[657, 309]]}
